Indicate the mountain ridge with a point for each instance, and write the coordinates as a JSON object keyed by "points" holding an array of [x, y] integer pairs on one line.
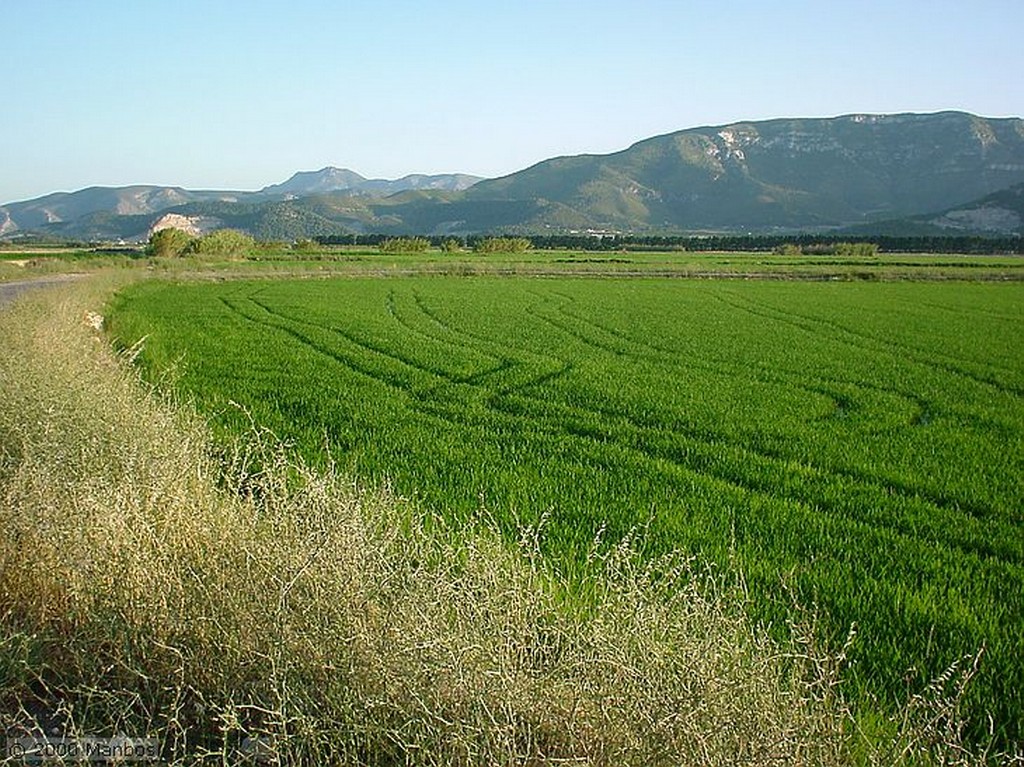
{"points": [[332, 179], [784, 174], [64, 208]]}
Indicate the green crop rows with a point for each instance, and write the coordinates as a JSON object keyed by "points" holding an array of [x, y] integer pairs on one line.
{"points": [[856, 448]]}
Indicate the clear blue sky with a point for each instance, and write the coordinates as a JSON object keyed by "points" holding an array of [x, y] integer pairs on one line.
{"points": [[238, 95]]}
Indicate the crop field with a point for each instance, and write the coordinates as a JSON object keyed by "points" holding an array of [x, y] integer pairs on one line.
{"points": [[854, 448]]}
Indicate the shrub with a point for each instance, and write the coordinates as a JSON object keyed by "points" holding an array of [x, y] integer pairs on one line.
{"points": [[168, 243], [855, 249], [306, 245], [831, 249], [503, 245], [404, 245], [224, 242]]}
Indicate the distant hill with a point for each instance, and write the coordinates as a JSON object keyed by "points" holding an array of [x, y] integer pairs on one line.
{"points": [[43, 213], [112, 212], [998, 214], [337, 213], [949, 171], [330, 179]]}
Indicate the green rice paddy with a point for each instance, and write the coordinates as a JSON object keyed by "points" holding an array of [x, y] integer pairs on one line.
{"points": [[855, 448]]}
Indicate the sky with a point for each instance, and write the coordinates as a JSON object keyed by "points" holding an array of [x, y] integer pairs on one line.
{"points": [[217, 94]]}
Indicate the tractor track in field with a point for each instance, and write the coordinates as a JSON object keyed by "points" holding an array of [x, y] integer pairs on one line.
{"points": [[700, 455]]}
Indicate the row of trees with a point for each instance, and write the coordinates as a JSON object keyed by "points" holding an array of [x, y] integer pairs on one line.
{"points": [[807, 243], [767, 243], [828, 249], [447, 243], [454, 245], [229, 242]]}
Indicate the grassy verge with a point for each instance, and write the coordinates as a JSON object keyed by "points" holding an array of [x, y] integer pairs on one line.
{"points": [[153, 586]]}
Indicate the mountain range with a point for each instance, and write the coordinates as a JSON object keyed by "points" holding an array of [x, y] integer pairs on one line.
{"points": [[99, 208], [946, 172]]}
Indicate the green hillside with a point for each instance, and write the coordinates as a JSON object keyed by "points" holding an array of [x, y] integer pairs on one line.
{"points": [[782, 173]]}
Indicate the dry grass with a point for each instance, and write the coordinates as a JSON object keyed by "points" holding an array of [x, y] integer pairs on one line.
{"points": [[150, 587]]}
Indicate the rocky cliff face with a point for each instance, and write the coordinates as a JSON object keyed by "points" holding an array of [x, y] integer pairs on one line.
{"points": [[193, 225]]}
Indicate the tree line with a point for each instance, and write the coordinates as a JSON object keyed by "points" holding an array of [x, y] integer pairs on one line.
{"points": [[181, 243], [226, 242], [792, 244]]}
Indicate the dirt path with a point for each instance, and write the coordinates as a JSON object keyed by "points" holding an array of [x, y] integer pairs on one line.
{"points": [[11, 290]]}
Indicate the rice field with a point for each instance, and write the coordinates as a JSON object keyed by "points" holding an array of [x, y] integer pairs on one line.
{"points": [[856, 449]]}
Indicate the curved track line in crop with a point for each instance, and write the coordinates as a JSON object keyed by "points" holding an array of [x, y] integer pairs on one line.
{"points": [[889, 484], [418, 395], [567, 328], [344, 360], [951, 511], [349, 362], [362, 343], [863, 341], [841, 402], [554, 366], [955, 364], [703, 446], [701, 457], [438, 337], [974, 311]]}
